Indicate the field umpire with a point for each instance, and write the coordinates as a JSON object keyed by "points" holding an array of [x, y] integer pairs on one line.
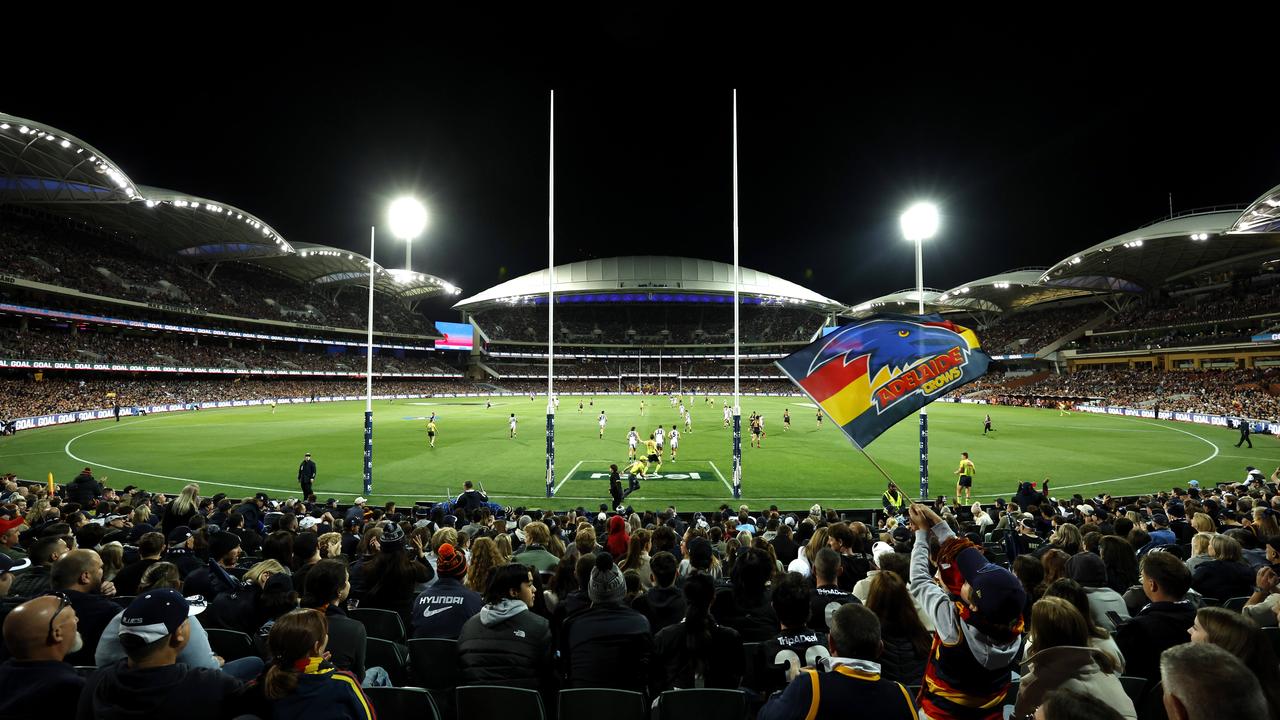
{"points": [[306, 476]]}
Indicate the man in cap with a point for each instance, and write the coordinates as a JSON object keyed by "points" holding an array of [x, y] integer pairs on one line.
{"points": [[306, 476], [37, 680], [977, 635], [441, 610], [151, 683], [44, 553], [10, 536], [181, 545], [8, 568]]}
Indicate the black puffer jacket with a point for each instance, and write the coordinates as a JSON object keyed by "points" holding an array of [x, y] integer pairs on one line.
{"points": [[899, 661], [505, 644], [84, 489], [608, 645]]}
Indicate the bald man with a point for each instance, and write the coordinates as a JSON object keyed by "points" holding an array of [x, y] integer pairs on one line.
{"points": [[78, 574], [37, 680]]}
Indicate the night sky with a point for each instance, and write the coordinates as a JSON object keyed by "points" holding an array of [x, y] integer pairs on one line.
{"points": [[1034, 147]]}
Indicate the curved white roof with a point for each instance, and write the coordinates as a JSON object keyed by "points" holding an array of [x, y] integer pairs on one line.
{"points": [[649, 273]]}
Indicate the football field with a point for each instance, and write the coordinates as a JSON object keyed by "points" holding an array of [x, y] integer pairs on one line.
{"points": [[242, 450]]}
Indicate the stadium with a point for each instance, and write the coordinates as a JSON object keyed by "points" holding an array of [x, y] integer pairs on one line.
{"points": [[158, 343]]}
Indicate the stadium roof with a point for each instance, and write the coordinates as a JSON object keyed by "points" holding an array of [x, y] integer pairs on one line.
{"points": [[1166, 250], [1010, 290], [904, 301], [1263, 215], [329, 266], [646, 273], [44, 167]]}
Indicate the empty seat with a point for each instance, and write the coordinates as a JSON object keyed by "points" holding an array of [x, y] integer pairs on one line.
{"points": [[494, 701]]}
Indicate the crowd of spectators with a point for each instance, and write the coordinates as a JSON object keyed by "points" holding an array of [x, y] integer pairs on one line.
{"points": [[191, 351], [1039, 602], [650, 324], [99, 265], [1029, 331]]}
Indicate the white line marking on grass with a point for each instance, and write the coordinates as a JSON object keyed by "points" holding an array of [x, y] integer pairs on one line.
{"points": [[721, 475], [568, 475], [1242, 457], [42, 452]]}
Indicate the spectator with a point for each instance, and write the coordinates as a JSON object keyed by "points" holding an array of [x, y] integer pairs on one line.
{"points": [[617, 540], [535, 553], [389, 580], [301, 681], [1241, 637], [906, 642], [35, 580], [8, 573], [863, 586], [796, 645], [1226, 575], [442, 609], [608, 645], [150, 546], [306, 553], [637, 558], [1121, 562], [850, 678], [328, 585], [78, 575], [1090, 572], [1165, 619], [485, 561], [1199, 551], [827, 594], [1204, 682], [181, 551], [1064, 658], [151, 683], [505, 643], [1073, 705], [698, 652], [84, 490], [10, 534], [978, 638], [242, 610], [853, 542], [745, 606], [216, 578], [803, 563], [181, 510], [664, 604], [37, 680], [1099, 638]]}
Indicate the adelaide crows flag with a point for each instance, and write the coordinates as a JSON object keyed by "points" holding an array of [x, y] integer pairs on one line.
{"points": [[869, 375]]}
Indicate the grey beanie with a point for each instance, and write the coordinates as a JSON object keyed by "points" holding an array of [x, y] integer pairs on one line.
{"points": [[607, 584]]}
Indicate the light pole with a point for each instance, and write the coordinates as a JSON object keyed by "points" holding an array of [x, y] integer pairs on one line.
{"points": [[919, 223], [408, 218]]}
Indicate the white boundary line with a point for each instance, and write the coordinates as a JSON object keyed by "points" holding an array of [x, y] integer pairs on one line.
{"points": [[568, 475], [286, 492], [727, 486]]}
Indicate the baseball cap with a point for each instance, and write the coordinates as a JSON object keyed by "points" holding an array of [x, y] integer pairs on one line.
{"points": [[879, 550], [1193, 483], [6, 524], [995, 591], [359, 501], [8, 564], [179, 535], [157, 614]]}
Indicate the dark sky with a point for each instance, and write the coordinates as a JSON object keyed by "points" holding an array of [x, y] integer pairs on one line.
{"points": [[1034, 146]]}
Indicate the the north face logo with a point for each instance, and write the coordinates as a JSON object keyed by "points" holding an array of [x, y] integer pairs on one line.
{"points": [[518, 633]]}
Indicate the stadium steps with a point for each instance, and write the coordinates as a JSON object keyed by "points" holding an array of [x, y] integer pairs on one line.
{"points": [[492, 373], [1075, 334]]}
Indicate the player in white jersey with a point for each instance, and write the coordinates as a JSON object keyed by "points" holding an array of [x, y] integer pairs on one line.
{"points": [[602, 420], [728, 415], [512, 426], [682, 411], [675, 442], [633, 439], [659, 437], [688, 422]]}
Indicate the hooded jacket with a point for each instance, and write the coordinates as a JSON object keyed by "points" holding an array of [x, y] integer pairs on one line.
{"points": [[506, 644], [84, 489], [1154, 629], [325, 693], [1070, 668], [119, 692]]}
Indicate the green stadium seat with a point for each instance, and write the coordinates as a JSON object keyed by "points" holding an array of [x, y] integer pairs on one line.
{"points": [[494, 701], [586, 704], [1235, 604], [433, 664], [701, 703], [383, 624], [402, 702], [230, 644]]}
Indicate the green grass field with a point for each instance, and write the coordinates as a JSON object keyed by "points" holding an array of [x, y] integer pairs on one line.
{"points": [[241, 450]]}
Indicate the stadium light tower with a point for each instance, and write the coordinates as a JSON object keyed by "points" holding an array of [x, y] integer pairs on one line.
{"points": [[408, 219], [919, 223]]}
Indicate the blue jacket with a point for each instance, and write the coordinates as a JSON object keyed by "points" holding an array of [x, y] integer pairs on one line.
{"points": [[325, 693], [833, 693]]}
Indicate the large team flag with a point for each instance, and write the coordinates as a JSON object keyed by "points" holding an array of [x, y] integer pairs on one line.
{"points": [[871, 374]]}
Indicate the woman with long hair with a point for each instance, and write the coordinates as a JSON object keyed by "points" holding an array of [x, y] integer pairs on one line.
{"points": [[1226, 575], [485, 559], [505, 551], [1241, 637], [1203, 523], [803, 563], [638, 557], [1264, 524], [1199, 550], [391, 578], [1055, 565], [1064, 658], [301, 682], [906, 642], [182, 509], [112, 555], [699, 652], [1121, 561], [1067, 538], [1074, 593]]}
